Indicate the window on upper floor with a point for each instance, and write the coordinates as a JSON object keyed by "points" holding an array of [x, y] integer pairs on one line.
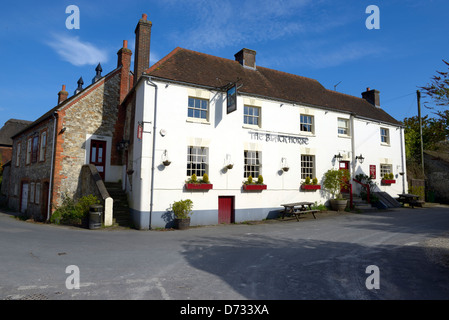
{"points": [[306, 123], [384, 136], [252, 115], [29, 148], [19, 145], [43, 146], [343, 127], [35, 149], [197, 161], [198, 108], [253, 165]]}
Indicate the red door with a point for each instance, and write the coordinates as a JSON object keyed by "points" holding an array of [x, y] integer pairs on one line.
{"points": [[225, 209], [344, 165], [98, 156]]}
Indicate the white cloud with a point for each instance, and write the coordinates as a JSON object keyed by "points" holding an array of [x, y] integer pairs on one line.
{"points": [[77, 52]]}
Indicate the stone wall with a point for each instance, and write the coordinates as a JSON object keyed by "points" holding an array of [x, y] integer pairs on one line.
{"points": [[437, 177], [94, 113], [36, 173]]}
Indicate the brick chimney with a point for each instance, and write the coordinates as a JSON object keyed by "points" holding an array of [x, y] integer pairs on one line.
{"points": [[372, 96], [62, 95], [247, 58], [142, 50], [124, 61]]}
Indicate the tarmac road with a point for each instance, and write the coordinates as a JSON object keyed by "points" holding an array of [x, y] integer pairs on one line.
{"points": [[326, 258]]}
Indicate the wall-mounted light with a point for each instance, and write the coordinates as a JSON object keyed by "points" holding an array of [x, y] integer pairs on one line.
{"points": [[62, 130], [338, 156], [360, 158], [165, 159], [123, 145]]}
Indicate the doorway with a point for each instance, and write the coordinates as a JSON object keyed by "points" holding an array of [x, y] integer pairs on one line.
{"points": [[98, 156], [24, 197], [345, 186], [226, 209]]}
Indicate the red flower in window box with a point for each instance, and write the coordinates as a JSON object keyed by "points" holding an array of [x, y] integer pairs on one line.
{"points": [[249, 187], [310, 187], [199, 186]]}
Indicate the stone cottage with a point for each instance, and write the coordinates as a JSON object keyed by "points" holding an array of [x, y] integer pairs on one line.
{"points": [[82, 129]]}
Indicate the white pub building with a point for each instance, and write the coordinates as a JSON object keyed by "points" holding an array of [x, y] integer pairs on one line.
{"points": [[193, 113]]}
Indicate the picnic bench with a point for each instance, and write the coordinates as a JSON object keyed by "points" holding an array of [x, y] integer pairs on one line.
{"points": [[411, 199], [298, 208]]}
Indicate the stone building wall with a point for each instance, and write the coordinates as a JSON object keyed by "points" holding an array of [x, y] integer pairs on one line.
{"points": [[94, 113], [36, 173]]}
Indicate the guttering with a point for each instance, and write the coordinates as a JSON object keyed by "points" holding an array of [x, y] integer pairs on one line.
{"points": [[151, 83], [52, 164]]}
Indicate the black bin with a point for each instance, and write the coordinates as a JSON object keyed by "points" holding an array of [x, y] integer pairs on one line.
{"points": [[95, 212]]}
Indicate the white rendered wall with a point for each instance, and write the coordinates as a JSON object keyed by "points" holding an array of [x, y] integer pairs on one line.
{"points": [[225, 134]]}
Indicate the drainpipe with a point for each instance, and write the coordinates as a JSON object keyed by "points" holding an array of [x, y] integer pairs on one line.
{"points": [[52, 163], [151, 83], [402, 160], [354, 164]]}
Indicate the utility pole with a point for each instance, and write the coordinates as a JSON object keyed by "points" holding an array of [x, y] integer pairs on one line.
{"points": [[418, 95]]}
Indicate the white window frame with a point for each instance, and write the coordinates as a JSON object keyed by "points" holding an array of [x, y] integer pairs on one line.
{"points": [[252, 163], [19, 146], [343, 130], [306, 126], [43, 146], [29, 150], [249, 116], [385, 168], [197, 161], [308, 170], [192, 110], [385, 138]]}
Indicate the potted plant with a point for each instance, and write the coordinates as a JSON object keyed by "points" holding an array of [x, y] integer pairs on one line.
{"points": [[310, 185], [334, 181], [251, 185], [198, 184], [388, 179], [182, 210]]}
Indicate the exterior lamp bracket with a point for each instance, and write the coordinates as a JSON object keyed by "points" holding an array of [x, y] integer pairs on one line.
{"points": [[360, 158]]}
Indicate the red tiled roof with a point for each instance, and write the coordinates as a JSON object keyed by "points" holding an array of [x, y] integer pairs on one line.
{"points": [[206, 70]]}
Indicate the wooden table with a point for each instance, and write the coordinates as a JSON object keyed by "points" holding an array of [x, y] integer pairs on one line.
{"points": [[411, 199], [298, 208]]}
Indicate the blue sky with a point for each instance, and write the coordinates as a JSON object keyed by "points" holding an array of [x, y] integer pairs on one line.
{"points": [[326, 40]]}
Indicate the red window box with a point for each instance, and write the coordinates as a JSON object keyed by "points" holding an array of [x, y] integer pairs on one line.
{"points": [[310, 187], [254, 187], [199, 186], [388, 182]]}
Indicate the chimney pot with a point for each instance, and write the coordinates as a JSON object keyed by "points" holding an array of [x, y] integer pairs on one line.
{"points": [[125, 43], [144, 16], [62, 95]]}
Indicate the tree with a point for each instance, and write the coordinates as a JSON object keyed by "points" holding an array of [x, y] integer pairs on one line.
{"points": [[433, 131], [438, 89]]}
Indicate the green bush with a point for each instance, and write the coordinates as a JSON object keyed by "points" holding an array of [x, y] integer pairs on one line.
{"points": [[260, 179], [182, 209], [71, 212]]}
